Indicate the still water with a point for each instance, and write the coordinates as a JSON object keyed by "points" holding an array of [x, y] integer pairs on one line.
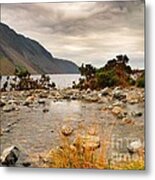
{"points": [[61, 80]]}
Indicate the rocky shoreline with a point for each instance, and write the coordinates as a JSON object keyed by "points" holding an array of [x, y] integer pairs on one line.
{"points": [[119, 109]]}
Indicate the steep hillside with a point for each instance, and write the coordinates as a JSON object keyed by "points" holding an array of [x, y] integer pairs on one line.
{"points": [[16, 49]]}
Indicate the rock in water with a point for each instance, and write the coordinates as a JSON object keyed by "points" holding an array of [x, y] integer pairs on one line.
{"points": [[66, 130], [8, 108], [137, 114], [41, 101], [105, 91], [29, 100], [10, 156], [118, 94], [117, 110], [45, 110], [128, 121]]}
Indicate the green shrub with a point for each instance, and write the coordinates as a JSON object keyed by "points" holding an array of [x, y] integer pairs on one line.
{"points": [[21, 71], [141, 81], [107, 79], [132, 82], [87, 70]]}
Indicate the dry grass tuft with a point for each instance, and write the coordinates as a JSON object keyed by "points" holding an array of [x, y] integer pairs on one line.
{"points": [[82, 152], [77, 156]]}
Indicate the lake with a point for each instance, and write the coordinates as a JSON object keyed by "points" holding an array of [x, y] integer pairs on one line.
{"points": [[61, 80]]}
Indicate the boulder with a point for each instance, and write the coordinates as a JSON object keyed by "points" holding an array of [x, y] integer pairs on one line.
{"points": [[137, 114], [44, 94], [117, 110], [41, 101], [118, 103], [12, 101], [10, 156], [6, 130], [26, 164], [26, 103], [45, 110], [133, 101], [91, 98], [73, 97], [88, 91], [105, 91], [119, 94], [29, 100], [128, 121], [8, 108], [66, 130], [67, 97]]}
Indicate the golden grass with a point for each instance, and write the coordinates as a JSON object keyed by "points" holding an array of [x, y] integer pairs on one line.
{"points": [[75, 154]]}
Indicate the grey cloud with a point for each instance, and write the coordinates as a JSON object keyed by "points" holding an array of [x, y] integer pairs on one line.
{"points": [[85, 31]]}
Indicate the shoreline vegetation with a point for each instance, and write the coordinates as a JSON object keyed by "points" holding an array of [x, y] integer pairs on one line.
{"points": [[116, 72], [115, 87]]}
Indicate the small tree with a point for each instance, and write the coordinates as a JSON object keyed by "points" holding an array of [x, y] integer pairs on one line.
{"points": [[88, 71], [21, 71], [125, 59], [122, 59]]}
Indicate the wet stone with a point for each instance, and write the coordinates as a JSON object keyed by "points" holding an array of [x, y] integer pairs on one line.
{"points": [[10, 156], [66, 130], [8, 108]]}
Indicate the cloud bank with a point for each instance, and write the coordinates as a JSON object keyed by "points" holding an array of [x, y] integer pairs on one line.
{"points": [[84, 32]]}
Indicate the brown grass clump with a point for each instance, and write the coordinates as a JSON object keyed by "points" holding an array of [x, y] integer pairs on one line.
{"points": [[86, 151], [71, 156], [77, 156]]}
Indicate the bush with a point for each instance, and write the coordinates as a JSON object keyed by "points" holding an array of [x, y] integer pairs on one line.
{"points": [[132, 82], [21, 71], [88, 71], [141, 81], [107, 79]]}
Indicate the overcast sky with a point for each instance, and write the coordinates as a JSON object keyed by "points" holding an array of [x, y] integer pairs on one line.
{"points": [[84, 32]]}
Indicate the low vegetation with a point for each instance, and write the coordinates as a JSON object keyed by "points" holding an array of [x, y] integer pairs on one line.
{"points": [[141, 81], [83, 151], [23, 81], [71, 156], [116, 72]]}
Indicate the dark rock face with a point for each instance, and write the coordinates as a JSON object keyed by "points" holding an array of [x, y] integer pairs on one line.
{"points": [[16, 49]]}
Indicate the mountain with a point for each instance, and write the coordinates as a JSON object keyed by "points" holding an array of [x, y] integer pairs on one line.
{"points": [[18, 50]]}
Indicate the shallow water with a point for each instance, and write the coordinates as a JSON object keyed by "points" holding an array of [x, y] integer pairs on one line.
{"points": [[34, 131]]}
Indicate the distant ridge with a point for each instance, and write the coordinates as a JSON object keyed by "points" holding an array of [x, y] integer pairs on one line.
{"points": [[18, 50]]}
